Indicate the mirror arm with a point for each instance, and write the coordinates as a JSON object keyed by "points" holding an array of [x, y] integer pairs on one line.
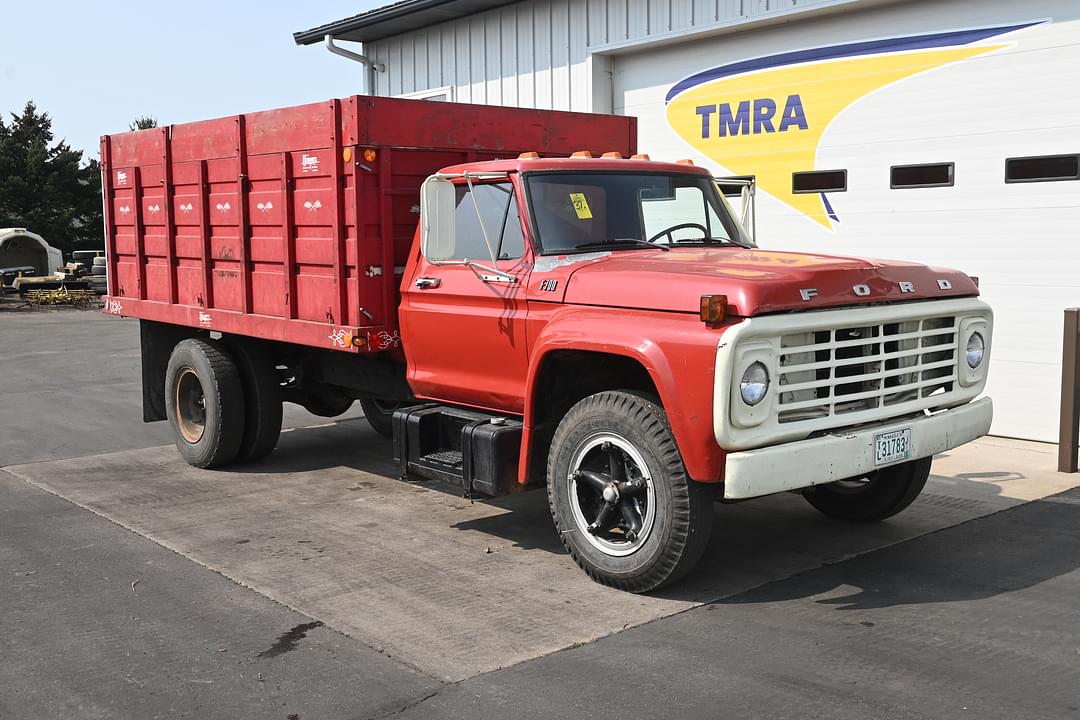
{"points": [[480, 218]]}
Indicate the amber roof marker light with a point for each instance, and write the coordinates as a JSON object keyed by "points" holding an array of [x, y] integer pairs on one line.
{"points": [[713, 309]]}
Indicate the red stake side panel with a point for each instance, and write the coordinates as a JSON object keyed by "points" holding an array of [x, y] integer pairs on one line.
{"points": [[278, 224]]}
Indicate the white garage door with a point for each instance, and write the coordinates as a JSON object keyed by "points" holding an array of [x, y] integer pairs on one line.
{"points": [[967, 87]]}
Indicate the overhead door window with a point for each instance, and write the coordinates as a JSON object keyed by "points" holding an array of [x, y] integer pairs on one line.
{"points": [[1044, 168], [818, 181], [921, 176]]}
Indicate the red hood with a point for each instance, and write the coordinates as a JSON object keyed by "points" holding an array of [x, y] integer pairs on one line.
{"points": [[755, 281]]}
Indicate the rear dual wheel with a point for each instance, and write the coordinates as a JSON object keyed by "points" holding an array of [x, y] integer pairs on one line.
{"points": [[622, 503], [223, 406], [204, 401]]}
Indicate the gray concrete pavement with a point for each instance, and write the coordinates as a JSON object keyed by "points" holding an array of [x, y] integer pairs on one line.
{"points": [[967, 600], [452, 587], [979, 620], [98, 622]]}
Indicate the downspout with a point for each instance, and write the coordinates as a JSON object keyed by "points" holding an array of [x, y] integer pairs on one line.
{"points": [[372, 67]]}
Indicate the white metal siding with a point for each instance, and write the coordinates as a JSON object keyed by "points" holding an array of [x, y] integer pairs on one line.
{"points": [[1021, 240], [623, 55], [536, 53]]}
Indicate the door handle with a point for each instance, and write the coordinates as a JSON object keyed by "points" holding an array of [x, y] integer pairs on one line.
{"points": [[425, 282]]}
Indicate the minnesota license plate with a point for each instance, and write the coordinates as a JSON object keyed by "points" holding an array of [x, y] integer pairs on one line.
{"points": [[892, 446]]}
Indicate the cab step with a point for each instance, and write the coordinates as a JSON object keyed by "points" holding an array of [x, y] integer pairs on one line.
{"points": [[473, 450]]}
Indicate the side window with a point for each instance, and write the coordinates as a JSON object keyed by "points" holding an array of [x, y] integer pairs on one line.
{"points": [[498, 208]]}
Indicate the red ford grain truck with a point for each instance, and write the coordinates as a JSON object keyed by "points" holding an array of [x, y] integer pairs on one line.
{"points": [[518, 300]]}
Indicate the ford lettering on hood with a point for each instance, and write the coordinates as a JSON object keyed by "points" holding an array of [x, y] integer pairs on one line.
{"points": [[755, 281]]}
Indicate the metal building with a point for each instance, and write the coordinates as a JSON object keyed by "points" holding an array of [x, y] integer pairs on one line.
{"points": [[940, 131]]}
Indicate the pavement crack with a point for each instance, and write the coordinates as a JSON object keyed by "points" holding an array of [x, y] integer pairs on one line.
{"points": [[410, 705]]}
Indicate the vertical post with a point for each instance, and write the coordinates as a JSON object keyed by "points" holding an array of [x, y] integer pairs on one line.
{"points": [[167, 203], [243, 228], [205, 230], [107, 195], [386, 231], [288, 221], [1070, 393], [337, 227], [140, 233]]}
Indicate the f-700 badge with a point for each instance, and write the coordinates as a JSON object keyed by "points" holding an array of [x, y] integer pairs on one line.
{"points": [[548, 285]]}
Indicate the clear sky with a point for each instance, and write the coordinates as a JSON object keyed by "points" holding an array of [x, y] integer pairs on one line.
{"points": [[94, 65]]}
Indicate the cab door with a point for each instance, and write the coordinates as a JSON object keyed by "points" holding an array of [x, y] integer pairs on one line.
{"points": [[463, 328]]}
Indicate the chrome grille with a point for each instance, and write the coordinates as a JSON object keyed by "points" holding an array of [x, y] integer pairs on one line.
{"points": [[833, 372]]}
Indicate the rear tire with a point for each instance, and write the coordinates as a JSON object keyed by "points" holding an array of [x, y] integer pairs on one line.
{"points": [[262, 401], [204, 401], [380, 415], [881, 494], [325, 401], [657, 521]]}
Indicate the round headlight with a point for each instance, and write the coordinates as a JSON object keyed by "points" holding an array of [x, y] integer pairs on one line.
{"points": [[754, 384], [976, 348]]}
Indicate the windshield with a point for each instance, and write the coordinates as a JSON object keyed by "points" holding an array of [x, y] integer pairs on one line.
{"points": [[585, 211]]}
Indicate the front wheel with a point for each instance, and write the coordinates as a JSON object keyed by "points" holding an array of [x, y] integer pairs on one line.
{"points": [[380, 415], [622, 503], [877, 496]]}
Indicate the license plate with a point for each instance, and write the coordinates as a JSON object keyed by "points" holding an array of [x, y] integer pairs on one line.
{"points": [[892, 446]]}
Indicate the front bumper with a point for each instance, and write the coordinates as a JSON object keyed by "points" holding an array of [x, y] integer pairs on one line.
{"points": [[848, 454]]}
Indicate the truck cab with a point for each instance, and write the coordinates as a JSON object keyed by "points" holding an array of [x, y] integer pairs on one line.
{"points": [[656, 357]]}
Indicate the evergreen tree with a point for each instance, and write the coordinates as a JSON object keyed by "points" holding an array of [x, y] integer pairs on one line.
{"points": [[44, 185], [143, 122]]}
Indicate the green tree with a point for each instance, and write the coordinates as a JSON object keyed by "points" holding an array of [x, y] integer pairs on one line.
{"points": [[44, 185], [143, 122]]}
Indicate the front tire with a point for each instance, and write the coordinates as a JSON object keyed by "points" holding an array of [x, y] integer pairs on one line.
{"points": [[380, 415], [204, 403], [621, 500], [879, 495]]}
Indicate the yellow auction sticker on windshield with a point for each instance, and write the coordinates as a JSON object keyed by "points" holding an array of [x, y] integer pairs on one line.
{"points": [[581, 206]]}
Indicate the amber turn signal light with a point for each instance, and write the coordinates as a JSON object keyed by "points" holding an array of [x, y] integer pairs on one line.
{"points": [[581, 154], [614, 155], [640, 156], [528, 156], [713, 309], [370, 155]]}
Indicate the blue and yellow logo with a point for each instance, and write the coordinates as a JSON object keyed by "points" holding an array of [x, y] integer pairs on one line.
{"points": [[766, 116]]}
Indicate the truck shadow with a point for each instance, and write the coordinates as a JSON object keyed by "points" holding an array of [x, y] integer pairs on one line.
{"points": [[1011, 550], [955, 544]]}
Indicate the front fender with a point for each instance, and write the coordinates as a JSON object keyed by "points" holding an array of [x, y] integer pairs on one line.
{"points": [[676, 350]]}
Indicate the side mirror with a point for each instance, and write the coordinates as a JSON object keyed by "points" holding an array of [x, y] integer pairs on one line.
{"points": [[438, 205]]}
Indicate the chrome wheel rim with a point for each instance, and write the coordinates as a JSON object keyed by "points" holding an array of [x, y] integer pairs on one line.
{"points": [[190, 406], [612, 495]]}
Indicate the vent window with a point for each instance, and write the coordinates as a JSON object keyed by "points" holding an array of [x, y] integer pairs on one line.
{"points": [[921, 176], [818, 181], [1045, 168]]}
